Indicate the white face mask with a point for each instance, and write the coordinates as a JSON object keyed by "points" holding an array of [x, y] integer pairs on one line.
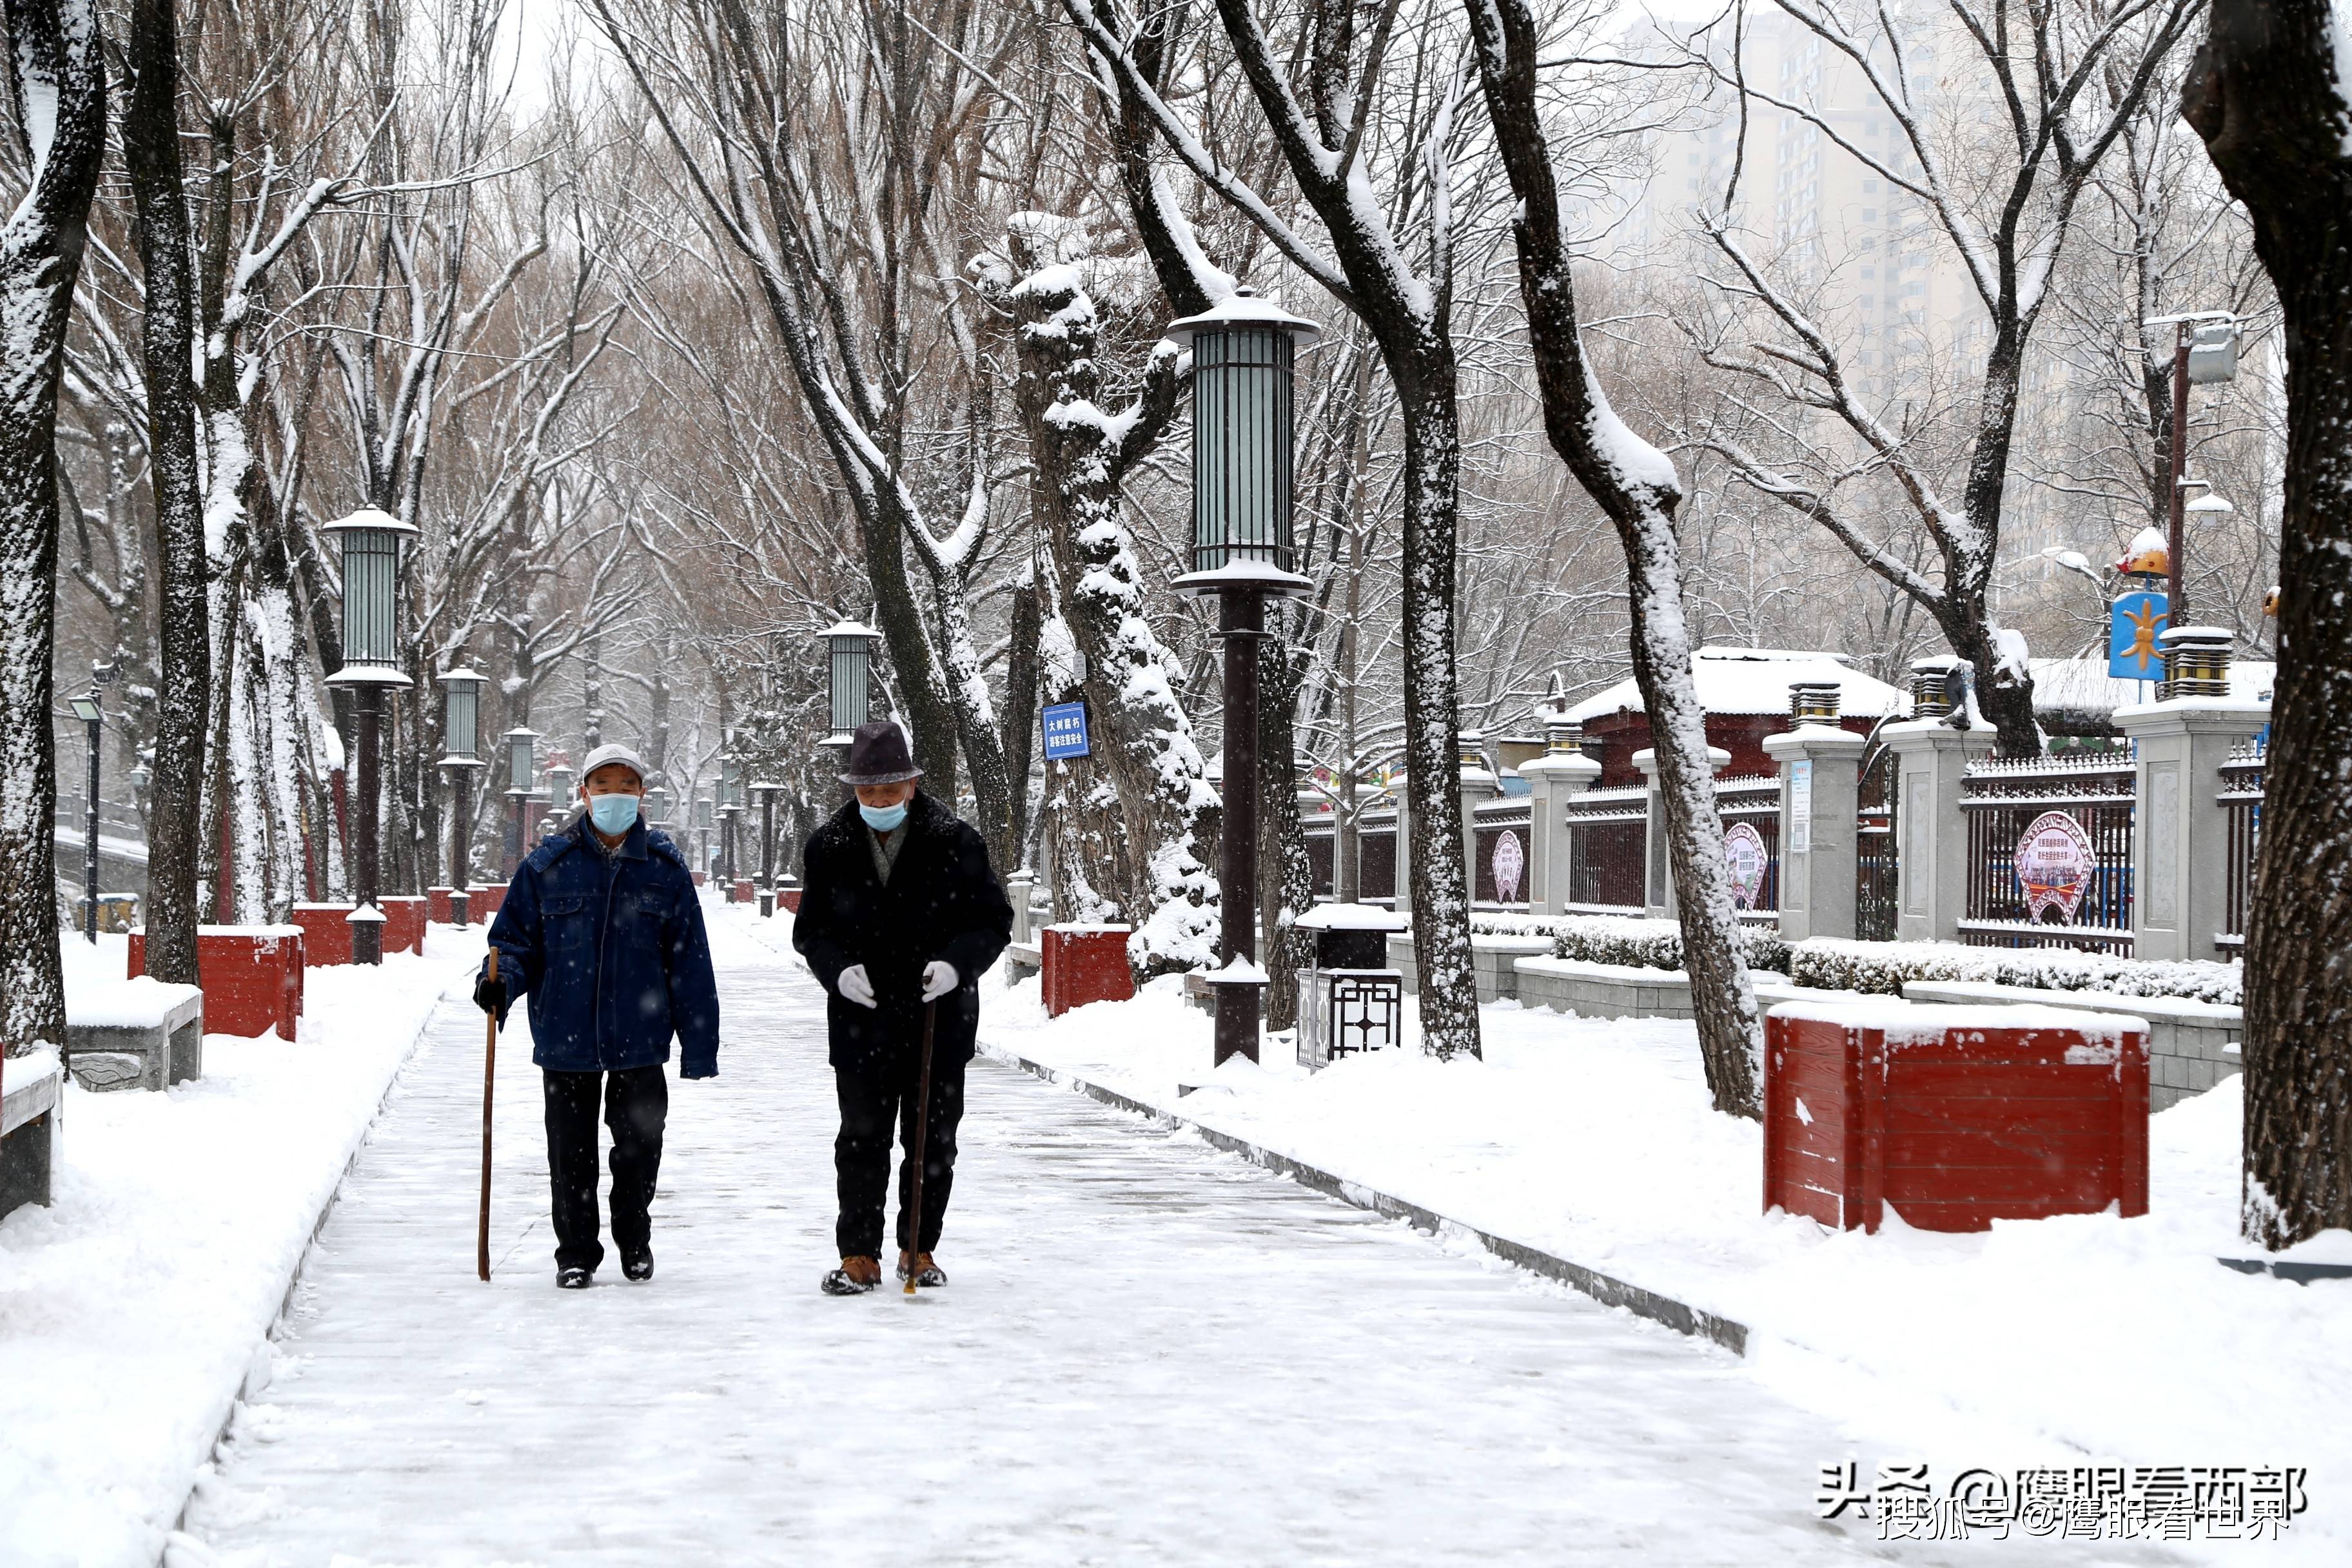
{"points": [[614, 815], [883, 818]]}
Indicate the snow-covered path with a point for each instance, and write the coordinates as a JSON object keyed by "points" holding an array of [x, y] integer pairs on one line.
{"points": [[1151, 1353]]}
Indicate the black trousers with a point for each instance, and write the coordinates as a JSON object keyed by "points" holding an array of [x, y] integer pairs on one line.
{"points": [[637, 1104], [861, 1154]]}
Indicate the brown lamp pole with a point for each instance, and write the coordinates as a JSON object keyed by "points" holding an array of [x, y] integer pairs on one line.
{"points": [[1243, 352]]}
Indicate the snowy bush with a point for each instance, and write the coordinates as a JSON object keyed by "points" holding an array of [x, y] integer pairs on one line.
{"points": [[1882, 967], [1829, 964], [1626, 941]]}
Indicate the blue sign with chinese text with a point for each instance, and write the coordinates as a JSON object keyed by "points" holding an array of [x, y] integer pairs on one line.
{"points": [[1066, 731], [2133, 628]]}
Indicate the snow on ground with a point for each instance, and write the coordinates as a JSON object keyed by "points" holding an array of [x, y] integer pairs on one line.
{"points": [[2081, 1337], [133, 1306], [1151, 1353]]}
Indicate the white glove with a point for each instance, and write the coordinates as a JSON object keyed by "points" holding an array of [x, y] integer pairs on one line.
{"points": [[939, 977], [854, 984]]}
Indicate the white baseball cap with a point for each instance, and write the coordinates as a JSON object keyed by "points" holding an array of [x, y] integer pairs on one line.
{"points": [[612, 752]]}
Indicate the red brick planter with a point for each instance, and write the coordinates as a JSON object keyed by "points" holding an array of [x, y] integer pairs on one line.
{"points": [[251, 975], [701, 877], [743, 893], [789, 898], [1085, 963], [403, 923], [1953, 1116], [326, 934], [482, 903], [437, 905]]}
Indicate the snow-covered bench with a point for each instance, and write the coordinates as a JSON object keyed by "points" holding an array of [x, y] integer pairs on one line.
{"points": [[135, 1034], [2191, 1046], [30, 1127]]}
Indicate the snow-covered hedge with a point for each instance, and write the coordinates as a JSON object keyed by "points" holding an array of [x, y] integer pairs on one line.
{"points": [[1882, 967], [1829, 964], [1622, 940]]}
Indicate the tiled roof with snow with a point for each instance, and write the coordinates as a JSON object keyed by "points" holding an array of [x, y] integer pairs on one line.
{"points": [[1757, 680]]}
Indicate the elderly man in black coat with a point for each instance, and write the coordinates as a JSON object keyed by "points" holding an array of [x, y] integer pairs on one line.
{"points": [[899, 908]]}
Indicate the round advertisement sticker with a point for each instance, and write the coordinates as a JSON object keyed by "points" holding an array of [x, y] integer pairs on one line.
{"points": [[1510, 861], [1743, 847], [2054, 862]]}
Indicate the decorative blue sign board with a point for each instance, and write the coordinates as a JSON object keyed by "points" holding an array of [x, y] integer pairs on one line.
{"points": [[2133, 628], [1066, 731]]}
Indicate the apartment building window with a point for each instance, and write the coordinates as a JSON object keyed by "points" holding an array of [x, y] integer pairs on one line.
{"points": [[1869, 214], [1870, 272], [1870, 187]]}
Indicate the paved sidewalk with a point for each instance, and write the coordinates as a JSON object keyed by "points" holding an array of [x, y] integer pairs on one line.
{"points": [[1151, 1354]]}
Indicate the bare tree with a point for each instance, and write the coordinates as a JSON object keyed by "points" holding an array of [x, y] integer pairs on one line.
{"points": [[2269, 95], [56, 98], [1322, 99], [1637, 487], [2064, 80]]}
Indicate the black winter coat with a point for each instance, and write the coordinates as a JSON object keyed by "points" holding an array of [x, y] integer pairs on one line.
{"points": [[943, 901]]}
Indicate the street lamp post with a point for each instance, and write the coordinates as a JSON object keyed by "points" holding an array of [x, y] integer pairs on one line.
{"points": [[371, 541], [461, 729], [521, 764], [1243, 350], [93, 716], [702, 814], [2204, 350], [766, 791]]}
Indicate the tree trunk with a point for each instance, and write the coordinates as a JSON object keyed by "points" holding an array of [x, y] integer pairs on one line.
{"points": [[177, 844], [1141, 736], [1637, 487], [57, 79], [2265, 96], [1286, 874]]}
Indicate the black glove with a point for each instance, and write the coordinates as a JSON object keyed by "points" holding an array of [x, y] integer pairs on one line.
{"points": [[490, 989]]}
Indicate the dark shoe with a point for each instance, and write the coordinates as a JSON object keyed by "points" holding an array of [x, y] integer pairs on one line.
{"points": [[638, 1265], [574, 1279], [927, 1274], [856, 1276]]}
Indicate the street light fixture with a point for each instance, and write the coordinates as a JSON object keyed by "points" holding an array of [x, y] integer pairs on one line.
{"points": [[87, 709], [461, 731], [521, 765], [767, 792], [1244, 349], [371, 541], [2204, 350]]}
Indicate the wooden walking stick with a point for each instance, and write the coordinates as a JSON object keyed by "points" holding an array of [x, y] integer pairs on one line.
{"points": [[490, 1079], [921, 1148]]}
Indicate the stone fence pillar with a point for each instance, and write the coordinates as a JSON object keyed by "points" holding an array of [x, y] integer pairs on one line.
{"points": [[2181, 834], [1820, 786], [1399, 787], [1658, 878], [1931, 831], [1562, 773], [1019, 889]]}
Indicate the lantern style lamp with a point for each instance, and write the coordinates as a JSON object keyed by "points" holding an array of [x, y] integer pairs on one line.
{"points": [[849, 653], [1244, 350], [371, 541], [521, 764], [657, 803], [93, 716], [461, 732]]}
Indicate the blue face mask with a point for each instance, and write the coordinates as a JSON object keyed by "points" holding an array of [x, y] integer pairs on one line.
{"points": [[883, 818], [613, 814]]}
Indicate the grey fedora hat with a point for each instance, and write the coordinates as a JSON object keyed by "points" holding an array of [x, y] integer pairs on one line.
{"points": [[878, 755]]}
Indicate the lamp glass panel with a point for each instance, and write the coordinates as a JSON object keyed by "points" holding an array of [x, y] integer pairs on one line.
{"points": [[462, 719], [371, 563], [519, 763], [1240, 448]]}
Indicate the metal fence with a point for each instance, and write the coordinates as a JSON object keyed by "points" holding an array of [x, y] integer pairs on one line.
{"points": [[1753, 804], [1608, 835], [2049, 853], [1375, 855], [2240, 799], [1877, 877]]}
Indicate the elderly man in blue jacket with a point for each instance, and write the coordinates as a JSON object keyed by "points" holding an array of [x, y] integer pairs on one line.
{"points": [[602, 928]]}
